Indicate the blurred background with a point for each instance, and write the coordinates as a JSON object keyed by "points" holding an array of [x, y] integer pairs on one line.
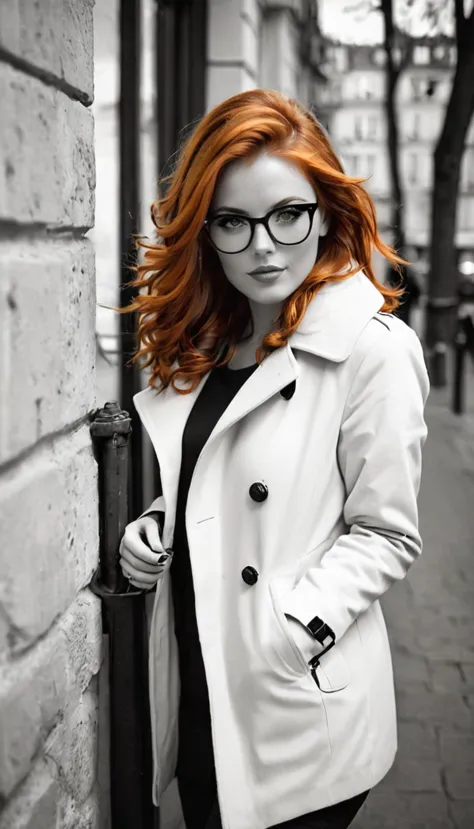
{"points": [[331, 54], [95, 100]]}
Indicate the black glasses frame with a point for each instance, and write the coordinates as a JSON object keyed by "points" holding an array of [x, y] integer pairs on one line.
{"points": [[264, 220]]}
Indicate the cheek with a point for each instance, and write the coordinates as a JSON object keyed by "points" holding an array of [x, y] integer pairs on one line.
{"points": [[234, 267], [303, 256]]}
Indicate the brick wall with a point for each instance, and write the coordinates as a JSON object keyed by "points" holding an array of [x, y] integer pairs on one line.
{"points": [[50, 624]]}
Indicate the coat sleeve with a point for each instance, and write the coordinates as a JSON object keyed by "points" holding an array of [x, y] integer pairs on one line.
{"points": [[158, 505], [379, 454]]}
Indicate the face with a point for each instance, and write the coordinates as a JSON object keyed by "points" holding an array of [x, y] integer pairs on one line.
{"points": [[253, 190]]}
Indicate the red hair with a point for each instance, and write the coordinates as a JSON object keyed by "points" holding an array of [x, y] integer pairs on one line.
{"points": [[187, 309]]}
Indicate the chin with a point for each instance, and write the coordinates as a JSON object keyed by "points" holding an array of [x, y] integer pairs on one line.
{"points": [[270, 294]]}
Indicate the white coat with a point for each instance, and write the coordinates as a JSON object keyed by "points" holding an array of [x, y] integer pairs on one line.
{"points": [[342, 462]]}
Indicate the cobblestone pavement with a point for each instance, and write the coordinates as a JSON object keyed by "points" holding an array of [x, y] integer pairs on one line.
{"points": [[430, 617]]}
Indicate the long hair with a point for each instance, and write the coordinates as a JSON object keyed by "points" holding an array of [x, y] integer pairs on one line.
{"points": [[190, 318]]}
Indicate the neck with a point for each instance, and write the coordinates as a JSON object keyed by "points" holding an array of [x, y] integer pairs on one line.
{"points": [[264, 317]]}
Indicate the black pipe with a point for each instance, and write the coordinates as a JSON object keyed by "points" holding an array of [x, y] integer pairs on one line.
{"points": [[129, 198], [125, 623]]}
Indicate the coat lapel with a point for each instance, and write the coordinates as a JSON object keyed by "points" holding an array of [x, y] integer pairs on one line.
{"points": [[164, 416], [330, 328], [337, 316]]}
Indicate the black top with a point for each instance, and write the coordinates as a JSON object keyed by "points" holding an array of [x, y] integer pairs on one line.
{"points": [[195, 759]]}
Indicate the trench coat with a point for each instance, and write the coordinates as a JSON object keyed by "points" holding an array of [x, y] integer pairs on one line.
{"points": [[339, 458]]}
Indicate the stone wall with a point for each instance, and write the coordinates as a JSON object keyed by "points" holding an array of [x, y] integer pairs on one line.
{"points": [[50, 623]]}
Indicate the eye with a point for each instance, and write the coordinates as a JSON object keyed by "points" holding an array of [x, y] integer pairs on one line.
{"points": [[287, 215], [229, 222]]}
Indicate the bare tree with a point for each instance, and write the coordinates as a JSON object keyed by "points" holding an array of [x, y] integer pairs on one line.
{"points": [[396, 58], [397, 55], [442, 278]]}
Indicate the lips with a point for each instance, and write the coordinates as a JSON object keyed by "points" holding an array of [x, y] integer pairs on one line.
{"points": [[266, 275], [265, 269]]}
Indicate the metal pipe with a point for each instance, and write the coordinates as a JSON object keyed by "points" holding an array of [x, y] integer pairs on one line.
{"points": [[129, 198], [125, 623]]}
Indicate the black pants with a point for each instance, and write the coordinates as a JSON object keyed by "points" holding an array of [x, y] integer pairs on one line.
{"points": [[201, 811]]}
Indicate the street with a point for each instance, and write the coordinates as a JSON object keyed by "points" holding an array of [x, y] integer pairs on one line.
{"points": [[430, 617]]}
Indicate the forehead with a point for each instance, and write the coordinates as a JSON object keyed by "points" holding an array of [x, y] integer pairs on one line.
{"points": [[257, 185]]}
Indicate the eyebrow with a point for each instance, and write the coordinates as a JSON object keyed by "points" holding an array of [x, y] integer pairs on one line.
{"points": [[224, 209]]}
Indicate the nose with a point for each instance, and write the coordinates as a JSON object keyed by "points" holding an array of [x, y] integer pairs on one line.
{"points": [[262, 242]]}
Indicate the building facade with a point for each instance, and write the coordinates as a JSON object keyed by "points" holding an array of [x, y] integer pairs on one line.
{"points": [[353, 105], [261, 43]]}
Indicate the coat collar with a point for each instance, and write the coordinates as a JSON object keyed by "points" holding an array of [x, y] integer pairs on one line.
{"points": [[336, 317], [330, 328], [332, 323]]}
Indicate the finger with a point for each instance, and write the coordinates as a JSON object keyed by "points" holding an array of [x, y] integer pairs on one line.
{"points": [[152, 534], [138, 564], [140, 586], [146, 578], [133, 542]]}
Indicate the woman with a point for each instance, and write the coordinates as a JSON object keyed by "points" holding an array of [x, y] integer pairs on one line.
{"points": [[288, 429]]}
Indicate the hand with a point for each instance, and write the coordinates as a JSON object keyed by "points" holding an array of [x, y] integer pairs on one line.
{"points": [[142, 557]]}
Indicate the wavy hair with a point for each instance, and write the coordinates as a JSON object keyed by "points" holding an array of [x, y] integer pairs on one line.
{"points": [[190, 318]]}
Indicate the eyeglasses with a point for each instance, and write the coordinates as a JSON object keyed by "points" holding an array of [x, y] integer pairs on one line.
{"points": [[289, 225]]}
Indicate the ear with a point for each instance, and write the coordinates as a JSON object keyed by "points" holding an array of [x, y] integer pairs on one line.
{"points": [[324, 224]]}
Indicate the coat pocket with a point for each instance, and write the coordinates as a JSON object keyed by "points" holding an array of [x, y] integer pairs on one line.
{"points": [[285, 646], [332, 673]]}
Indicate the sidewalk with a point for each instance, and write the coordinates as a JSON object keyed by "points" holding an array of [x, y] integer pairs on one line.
{"points": [[430, 617]]}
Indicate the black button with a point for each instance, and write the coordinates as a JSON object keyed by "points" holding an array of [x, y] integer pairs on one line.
{"points": [[250, 575], [289, 390], [258, 491]]}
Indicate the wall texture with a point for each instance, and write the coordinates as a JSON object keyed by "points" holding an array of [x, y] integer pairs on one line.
{"points": [[50, 623]]}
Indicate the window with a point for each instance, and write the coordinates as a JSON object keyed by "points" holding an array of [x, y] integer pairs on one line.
{"points": [[424, 88], [416, 88], [380, 57], [412, 168], [372, 123], [340, 58], [362, 165], [414, 126], [351, 164], [465, 214], [366, 127], [370, 164], [467, 170], [421, 55], [364, 87]]}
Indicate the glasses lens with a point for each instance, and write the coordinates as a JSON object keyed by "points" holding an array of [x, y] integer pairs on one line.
{"points": [[290, 225], [230, 233]]}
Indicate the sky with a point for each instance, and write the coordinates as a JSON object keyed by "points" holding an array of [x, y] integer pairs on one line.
{"points": [[340, 20]]}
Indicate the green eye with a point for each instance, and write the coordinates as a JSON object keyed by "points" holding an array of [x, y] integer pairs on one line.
{"points": [[288, 215], [229, 223]]}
